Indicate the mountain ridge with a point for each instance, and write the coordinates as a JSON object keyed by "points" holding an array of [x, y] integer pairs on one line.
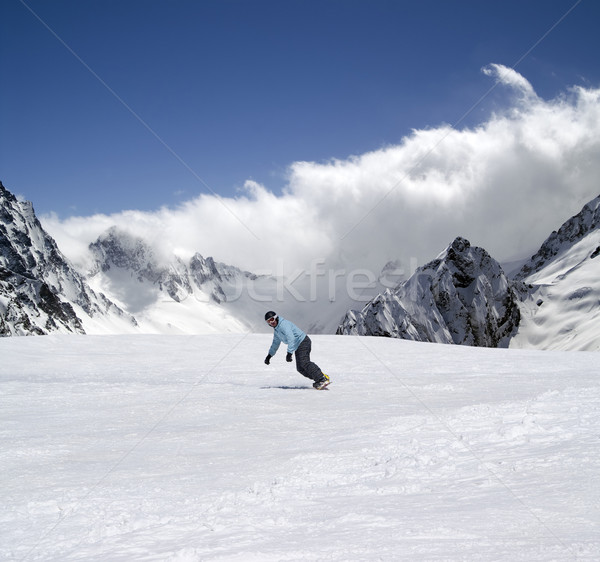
{"points": [[40, 292], [146, 284], [561, 309], [570, 232], [463, 296]]}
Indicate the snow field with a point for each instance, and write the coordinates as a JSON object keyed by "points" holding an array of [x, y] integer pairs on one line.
{"points": [[189, 448], [563, 313]]}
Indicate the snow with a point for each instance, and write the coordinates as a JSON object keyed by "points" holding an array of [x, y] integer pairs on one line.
{"points": [[564, 313], [189, 448]]}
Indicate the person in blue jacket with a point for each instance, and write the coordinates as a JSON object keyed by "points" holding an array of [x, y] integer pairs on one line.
{"points": [[299, 344]]}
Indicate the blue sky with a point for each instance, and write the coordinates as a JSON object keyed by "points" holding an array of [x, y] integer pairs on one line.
{"points": [[229, 91]]}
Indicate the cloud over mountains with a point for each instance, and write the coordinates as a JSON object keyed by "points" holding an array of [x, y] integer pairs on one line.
{"points": [[503, 184]]}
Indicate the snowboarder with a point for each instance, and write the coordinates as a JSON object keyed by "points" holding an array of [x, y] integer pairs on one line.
{"points": [[299, 344]]}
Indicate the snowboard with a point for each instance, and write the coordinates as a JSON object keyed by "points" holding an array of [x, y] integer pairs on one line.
{"points": [[324, 387]]}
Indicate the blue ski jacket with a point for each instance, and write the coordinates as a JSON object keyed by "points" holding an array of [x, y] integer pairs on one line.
{"points": [[286, 332]]}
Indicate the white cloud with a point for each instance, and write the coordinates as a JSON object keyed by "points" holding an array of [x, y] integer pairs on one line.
{"points": [[505, 185], [510, 77]]}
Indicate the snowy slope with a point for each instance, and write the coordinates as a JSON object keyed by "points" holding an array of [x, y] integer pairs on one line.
{"points": [[189, 448], [563, 309]]}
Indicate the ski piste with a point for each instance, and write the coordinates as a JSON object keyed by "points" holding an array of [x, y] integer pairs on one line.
{"points": [[232, 471]]}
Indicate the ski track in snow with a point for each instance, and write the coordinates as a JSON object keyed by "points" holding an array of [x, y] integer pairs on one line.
{"points": [[188, 448]]}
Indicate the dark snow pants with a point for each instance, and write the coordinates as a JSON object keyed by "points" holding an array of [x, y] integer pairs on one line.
{"points": [[303, 363]]}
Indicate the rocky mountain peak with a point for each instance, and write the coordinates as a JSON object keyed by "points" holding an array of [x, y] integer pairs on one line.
{"points": [[118, 251], [458, 260], [571, 232], [461, 297], [40, 292], [121, 257], [118, 248]]}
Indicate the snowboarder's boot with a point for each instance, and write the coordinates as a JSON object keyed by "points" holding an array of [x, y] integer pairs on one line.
{"points": [[320, 385]]}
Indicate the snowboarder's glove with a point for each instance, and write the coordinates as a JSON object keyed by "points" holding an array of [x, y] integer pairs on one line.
{"points": [[288, 357], [267, 359]]}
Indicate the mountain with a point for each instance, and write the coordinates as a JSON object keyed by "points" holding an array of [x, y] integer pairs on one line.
{"points": [[462, 297], [40, 292], [572, 232], [168, 294], [562, 307], [130, 288]]}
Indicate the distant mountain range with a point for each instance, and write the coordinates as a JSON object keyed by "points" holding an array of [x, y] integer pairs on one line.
{"points": [[171, 295], [461, 297]]}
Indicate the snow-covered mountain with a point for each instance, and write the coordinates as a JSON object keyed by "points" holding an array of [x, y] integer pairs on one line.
{"points": [[464, 297], [40, 292], [168, 294], [562, 307], [572, 232], [461, 297]]}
